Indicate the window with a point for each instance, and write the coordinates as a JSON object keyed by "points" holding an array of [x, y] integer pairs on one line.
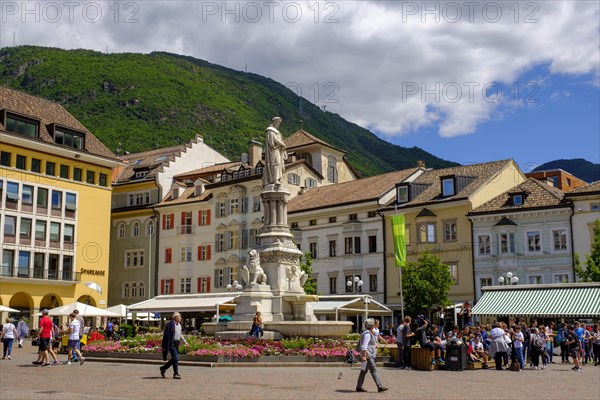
{"points": [[372, 214], [534, 241], [102, 182], [426, 232], [167, 286], [24, 257], [42, 197], [150, 228], [256, 204], [219, 278], [25, 228], [332, 173], [69, 138], [294, 225], [186, 254], [168, 256], [77, 174], [21, 160], [332, 220], [39, 261], [352, 217], [121, 231], [8, 257], [373, 283], [373, 244], [186, 285], [234, 205], [485, 282], [312, 222], [453, 268], [333, 284], [313, 249], [517, 199], [293, 179], [5, 159], [449, 231], [402, 194], [54, 232], [40, 230], [69, 233], [24, 126], [204, 217], [134, 258], [559, 237], [357, 245], [186, 222], [448, 187], [125, 289], [507, 243], [568, 180], [133, 289], [534, 279], [36, 165], [140, 174], [485, 245], [56, 200], [332, 248], [138, 199], [27, 195], [70, 201], [64, 171], [204, 284], [50, 166], [141, 289], [204, 253], [595, 207], [135, 229], [561, 278], [90, 177], [348, 245], [10, 225], [12, 192], [168, 221], [354, 285], [310, 183]]}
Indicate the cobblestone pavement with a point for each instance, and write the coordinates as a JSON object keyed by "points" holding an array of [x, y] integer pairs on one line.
{"points": [[19, 379]]}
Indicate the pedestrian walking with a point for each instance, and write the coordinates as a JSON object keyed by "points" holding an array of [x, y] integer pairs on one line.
{"points": [[368, 352], [9, 333], [172, 337], [22, 331], [74, 329], [44, 337]]}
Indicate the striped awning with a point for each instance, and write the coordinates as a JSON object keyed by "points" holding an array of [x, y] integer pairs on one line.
{"points": [[564, 300]]}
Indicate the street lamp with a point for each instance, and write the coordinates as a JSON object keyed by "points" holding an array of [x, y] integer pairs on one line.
{"points": [[236, 286], [356, 282], [509, 280]]}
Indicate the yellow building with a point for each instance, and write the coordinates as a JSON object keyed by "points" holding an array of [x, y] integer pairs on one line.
{"points": [[435, 206], [55, 200]]}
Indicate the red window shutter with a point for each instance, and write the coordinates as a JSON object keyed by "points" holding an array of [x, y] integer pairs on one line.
{"points": [[200, 285], [172, 217], [199, 253], [182, 218], [168, 256], [208, 284], [208, 217], [208, 252], [200, 217], [171, 287], [164, 224], [162, 286]]}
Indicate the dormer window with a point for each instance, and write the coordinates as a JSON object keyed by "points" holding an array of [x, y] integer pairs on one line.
{"points": [[24, 126], [448, 186], [402, 194], [67, 137], [140, 174], [175, 193], [517, 200]]}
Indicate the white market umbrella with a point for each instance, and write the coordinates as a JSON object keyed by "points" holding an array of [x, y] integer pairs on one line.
{"points": [[7, 309], [120, 310], [84, 310]]}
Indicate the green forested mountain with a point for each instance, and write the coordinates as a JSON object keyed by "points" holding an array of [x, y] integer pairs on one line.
{"points": [[137, 102], [583, 169]]}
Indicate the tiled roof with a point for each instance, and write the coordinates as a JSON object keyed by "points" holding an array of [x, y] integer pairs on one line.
{"points": [[537, 195], [592, 188], [477, 174], [348, 192], [151, 161], [302, 138], [186, 196], [49, 112], [207, 170]]}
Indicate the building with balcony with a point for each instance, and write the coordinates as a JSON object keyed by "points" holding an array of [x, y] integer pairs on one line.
{"points": [[558, 178], [55, 191]]}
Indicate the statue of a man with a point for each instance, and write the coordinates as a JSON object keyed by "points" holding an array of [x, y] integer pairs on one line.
{"points": [[275, 154]]}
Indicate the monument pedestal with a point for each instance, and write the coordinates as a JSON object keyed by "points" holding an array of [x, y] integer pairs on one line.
{"points": [[256, 297]]}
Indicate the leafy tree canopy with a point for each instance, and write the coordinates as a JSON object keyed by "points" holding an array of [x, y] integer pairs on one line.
{"points": [[591, 272], [310, 286]]}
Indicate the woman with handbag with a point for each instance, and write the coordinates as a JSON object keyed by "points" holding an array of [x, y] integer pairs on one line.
{"points": [[498, 346]]}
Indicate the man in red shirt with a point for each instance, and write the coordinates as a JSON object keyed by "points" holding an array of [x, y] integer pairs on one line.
{"points": [[44, 336]]}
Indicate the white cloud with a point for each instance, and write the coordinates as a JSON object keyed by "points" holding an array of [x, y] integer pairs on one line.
{"points": [[370, 61]]}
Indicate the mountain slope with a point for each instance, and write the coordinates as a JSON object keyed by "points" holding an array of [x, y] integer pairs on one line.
{"points": [[136, 102], [583, 169]]}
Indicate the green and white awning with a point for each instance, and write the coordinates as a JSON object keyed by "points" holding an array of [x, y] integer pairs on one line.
{"points": [[560, 300]]}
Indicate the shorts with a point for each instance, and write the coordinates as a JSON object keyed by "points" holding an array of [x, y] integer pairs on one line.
{"points": [[74, 344], [429, 345], [44, 344], [574, 353]]}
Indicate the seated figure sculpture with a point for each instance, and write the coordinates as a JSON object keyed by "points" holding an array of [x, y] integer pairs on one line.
{"points": [[254, 274]]}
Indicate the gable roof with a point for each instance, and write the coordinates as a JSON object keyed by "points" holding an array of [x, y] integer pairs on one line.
{"points": [[537, 195], [48, 112], [476, 176], [361, 190], [302, 138], [592, 188]]}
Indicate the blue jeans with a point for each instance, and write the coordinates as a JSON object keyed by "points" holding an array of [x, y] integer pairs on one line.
{"points": [[7, 346], [519, 351], [174, 351]]}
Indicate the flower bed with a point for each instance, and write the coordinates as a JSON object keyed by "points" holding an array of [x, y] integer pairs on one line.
{"points": [[234, 348]]}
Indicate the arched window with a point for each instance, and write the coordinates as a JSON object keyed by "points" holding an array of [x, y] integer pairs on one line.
{"points": [[133, 290], [135, 229], [125, 290], [332, 172], [150, 228], [121, 230], [141, 289]]}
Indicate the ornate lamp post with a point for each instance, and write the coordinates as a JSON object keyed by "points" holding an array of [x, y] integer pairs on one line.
{"points": [[356, 282], [235, 286], [509, 280]]}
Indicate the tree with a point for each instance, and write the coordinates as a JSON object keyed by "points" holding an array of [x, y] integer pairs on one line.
{"points": [[310, 286], [591, 272], [425, 284]]}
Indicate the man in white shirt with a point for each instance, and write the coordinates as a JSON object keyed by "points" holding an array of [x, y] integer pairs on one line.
{"points": [[368, 352], [74, 335]]}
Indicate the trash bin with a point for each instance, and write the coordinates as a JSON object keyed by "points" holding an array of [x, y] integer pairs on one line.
{"points": [[456, 357]]}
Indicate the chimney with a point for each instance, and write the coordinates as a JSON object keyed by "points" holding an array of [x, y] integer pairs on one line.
{"points": [[421, 164], [255, 150], [245, 158]]}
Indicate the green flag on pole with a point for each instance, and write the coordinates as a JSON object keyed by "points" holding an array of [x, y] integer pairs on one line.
{"points": [[399, 235]]}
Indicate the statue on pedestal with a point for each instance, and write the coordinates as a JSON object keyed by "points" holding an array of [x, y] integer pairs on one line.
{"points": [[255, 271], [275, 154]]}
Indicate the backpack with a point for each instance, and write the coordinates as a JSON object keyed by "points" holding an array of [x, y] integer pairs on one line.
{"points": [[560, 336], [350, 357], [537, 341]]}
